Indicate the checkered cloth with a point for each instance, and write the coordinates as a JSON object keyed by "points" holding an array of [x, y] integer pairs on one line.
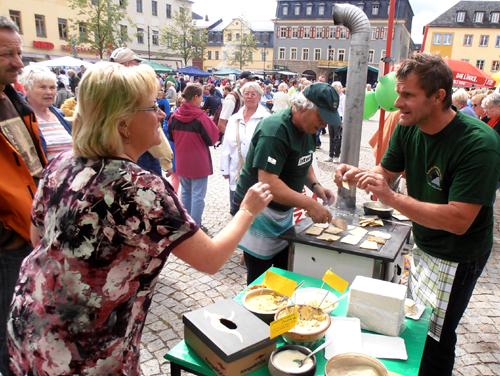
{"points": [[430, 284]]}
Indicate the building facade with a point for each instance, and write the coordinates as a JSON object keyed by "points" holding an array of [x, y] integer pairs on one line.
{"points": [[470, 31], [225, 37], [309, 43]]}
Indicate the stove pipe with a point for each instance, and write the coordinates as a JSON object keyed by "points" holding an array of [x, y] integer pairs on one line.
{"points": [[358, 24]]}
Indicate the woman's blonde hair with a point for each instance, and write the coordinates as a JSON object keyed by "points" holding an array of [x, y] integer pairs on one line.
{"points": [[108, 97]]}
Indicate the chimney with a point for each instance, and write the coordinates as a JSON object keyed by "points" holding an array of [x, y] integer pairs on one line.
{"points": [[206, 17]]}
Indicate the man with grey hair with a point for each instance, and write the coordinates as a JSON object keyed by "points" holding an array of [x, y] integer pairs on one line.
{"points": [[281, 154], [171, 93], [74, 80], [21, 162], [335, 131]]}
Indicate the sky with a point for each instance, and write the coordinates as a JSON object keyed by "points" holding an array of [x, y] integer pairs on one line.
{"points": [[425, 11]]}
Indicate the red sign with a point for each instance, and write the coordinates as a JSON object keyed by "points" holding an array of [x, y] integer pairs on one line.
{"points": [[44, 45], [79, 49]]}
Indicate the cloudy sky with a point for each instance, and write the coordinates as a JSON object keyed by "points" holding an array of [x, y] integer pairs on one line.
{"points": [[425, 11]]}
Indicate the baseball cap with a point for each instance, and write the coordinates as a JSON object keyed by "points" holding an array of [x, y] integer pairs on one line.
{"points": [[326, 99], [248, 75], [123, 54]]}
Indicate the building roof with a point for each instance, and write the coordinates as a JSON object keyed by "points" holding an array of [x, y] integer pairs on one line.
{"points": [[253, 25], [449, 17]]}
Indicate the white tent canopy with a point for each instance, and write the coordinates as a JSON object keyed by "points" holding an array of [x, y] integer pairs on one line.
{"points": [[66, 61]]}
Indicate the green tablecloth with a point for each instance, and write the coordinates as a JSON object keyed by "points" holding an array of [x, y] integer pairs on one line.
{"points": [[414, 337]]}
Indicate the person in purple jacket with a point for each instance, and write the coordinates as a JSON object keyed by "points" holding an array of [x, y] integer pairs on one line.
{"points": [[192, 132]]}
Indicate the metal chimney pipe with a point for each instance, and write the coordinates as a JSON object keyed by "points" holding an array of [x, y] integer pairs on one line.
{"points": [[358, 24]]}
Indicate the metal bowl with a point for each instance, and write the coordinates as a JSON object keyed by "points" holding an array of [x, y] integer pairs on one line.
{"points": [[348, 360], [377, 208], [313, 295], [275, 370], [266, 316]]}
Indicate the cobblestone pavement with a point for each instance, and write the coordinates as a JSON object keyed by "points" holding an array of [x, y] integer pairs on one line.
{"points": [[181, 289]]}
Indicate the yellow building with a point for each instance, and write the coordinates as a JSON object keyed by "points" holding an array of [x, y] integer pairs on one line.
{"points": [[468, 31], [225, 37]]}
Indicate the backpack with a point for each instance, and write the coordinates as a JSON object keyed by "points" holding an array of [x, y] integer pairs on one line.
{"points": [[236, 109]]}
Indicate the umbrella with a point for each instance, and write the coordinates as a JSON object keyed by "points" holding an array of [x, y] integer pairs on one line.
{"points": [[227, 72], [193, 71], [466, 75], [66, 61], [159, 68], [496, 77]]}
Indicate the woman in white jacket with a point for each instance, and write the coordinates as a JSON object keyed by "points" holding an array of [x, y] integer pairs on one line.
{"points": [[239, 132]]}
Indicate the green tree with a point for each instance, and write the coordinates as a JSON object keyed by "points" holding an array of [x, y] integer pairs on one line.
{"points": [[98, 24], [242, 49], [183, 38]]}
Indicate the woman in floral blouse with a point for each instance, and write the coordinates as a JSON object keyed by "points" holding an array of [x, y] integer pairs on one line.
{"points": [[102, 230]]}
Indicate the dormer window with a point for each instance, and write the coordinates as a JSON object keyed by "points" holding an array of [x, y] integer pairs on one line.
{"points": [[321, 10], [460, 16], [296, 10], [478, 17], [375, 9], [309, 9], [285, 10], [494, 17], [361, 6]]}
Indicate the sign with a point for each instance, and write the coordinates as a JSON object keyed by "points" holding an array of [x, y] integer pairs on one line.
{"points": [[43, 45], [79, 49], [335, 282], [284, 324], [279, 283]]}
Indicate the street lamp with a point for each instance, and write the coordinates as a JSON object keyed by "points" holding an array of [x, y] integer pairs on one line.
{"points": [[264, 43], [328, 69]]}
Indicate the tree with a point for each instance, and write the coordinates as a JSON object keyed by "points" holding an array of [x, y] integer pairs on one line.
{"points": [[183, 37], [242, 49], [98, 24]]}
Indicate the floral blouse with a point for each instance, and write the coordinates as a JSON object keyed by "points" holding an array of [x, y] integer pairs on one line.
{"points": [[106, 229]]}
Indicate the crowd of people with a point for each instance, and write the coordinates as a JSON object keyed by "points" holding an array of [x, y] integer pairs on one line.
{"points": [[84, 237]]}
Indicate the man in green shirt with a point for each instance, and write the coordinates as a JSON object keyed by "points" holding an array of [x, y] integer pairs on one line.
{"points": [[281, 154], [452, 164]]}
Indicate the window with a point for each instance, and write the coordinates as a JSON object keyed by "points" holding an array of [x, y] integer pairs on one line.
{"points": [[209, 55], [460, 16], [40, 25], [293, 54], [229, 37], [122, 3], [341, 55], [483, 41], [154, 7], [283, 32], [296, 10], [285, 10], [478, 17], [216, 55], [305, 54], [263, 55], [15, 16], [331, 54], [82, 31], [495, 65], [138, 5], [224, 55], [281, 54], [332, 33], [219, 38], [321, 10], [319, 32], [155, 37], [265, 38], [497, 42], [307, 32], [62, 26], [169, 11], [467, 60], [383, 33], [447, 39], [375, 9], [468, 40], [295, 32], [238, 36], [140, 35], [494, 17], [382, 55], [480, 64], [123, 33], [343, 33], [309, 10], [371, 56], [361, 6], [317, 54], [373, 33], [437, 39]]}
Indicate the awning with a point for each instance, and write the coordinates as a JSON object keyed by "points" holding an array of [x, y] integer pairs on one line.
{"points": [[370, 68], [287, 73], [35, 55]]}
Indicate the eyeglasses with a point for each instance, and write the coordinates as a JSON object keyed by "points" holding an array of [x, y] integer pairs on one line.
{"points": [[250, 95], [487, 108], [475, 104], [153, 108]]}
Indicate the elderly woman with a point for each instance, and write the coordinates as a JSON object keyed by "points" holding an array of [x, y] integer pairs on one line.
{"points": [[41, 89], [491, 106], [239, 132], [267, 97], [478, 109], [281, 98], [459, 99], [103, 229], [171, 93]]}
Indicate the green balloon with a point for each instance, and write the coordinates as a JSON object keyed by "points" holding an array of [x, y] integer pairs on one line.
{"points": [[371, 105], [386, 92]]}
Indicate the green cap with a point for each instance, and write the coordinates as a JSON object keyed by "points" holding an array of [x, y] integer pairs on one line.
{"points": [[326, 98]]}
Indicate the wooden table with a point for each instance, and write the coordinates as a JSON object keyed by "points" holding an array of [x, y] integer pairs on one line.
{"points": [[182, 357]]}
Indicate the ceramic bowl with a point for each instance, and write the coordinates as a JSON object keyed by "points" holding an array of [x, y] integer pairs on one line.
{"points": [[265, 315], [378, 209], [351, 360], [301, 336], [276, 370], [313, 295]]}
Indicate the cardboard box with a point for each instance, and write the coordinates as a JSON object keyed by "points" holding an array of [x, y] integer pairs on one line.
{"points": [[379, 305], [229, 338]]}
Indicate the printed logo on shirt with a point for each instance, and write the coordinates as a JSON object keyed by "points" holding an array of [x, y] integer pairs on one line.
{"points": [[434, 177], [305, 159], [271, 160]]}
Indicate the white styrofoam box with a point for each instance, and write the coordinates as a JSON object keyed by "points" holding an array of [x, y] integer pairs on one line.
{"points": [[378, 304]]}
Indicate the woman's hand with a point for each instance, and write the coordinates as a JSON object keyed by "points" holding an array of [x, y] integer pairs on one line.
{"points": [[257, 198]]}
